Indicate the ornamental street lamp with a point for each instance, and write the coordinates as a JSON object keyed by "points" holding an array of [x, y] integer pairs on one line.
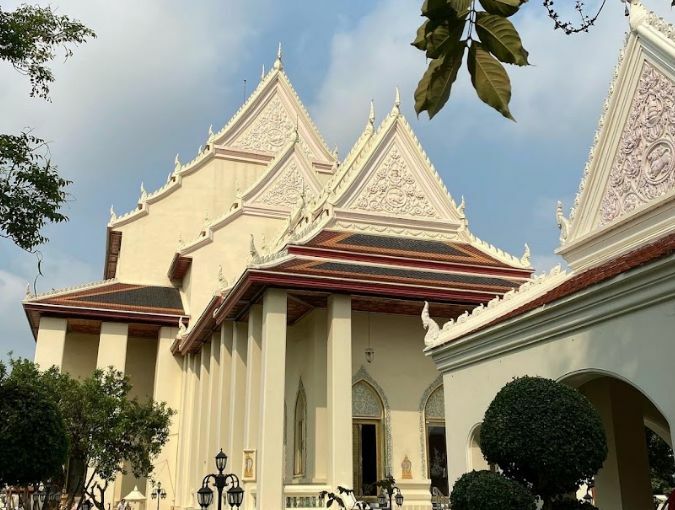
{"points": [[235, 494], [87, 505], [157, 492], [389, 490]]}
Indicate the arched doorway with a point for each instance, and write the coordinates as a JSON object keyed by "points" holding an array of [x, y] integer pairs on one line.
{"points": [[434, 433], [367, 438], [626, 412], [476, 460]]}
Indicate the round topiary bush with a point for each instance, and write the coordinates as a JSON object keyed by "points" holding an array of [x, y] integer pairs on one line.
{"points": [[485, 490], [544, 434]]}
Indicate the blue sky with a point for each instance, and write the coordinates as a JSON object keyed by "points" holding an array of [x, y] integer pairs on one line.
{"points": [[161, 71]]}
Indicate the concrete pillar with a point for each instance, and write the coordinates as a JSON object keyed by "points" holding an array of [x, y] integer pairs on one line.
{"points": [[252, 405], [623, 483], [223, 417], [270, 453], [188, 450], [202, 465], [214, 396], [51, 342], [237, 397], [168, 388], [112, 346], [339, 388]]}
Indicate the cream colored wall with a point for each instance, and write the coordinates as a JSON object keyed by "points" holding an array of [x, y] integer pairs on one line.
{"points": [[404, 374], [400, 368], [51, 342], [80, 354], [231, 250], [140, 367], [635, 346], [149, 242]]}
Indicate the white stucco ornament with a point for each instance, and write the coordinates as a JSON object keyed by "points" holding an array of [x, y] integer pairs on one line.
{"points": [[563, 223], [433, 330], [182, 329], [644, 165], [289, 188]]}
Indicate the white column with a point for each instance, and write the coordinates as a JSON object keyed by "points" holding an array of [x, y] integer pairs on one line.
{"points": [[189, 443], [112, 346], [202, 466], [252, 406], [273, 368], [167, 388], [51, 342], [237, 397], [339, 387], [215, 396], [223, 417]]}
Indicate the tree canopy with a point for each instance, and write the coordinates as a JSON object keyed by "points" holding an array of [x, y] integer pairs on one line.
{"points": [[31, 191], [486, 490], [544, 434], [33, 432]]}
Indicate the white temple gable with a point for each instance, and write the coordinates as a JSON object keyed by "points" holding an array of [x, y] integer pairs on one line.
{"points": [[394, 178], [627, 194], [288, 180], [270, 118]]}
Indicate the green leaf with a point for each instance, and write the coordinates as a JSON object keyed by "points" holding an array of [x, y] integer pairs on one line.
{"points": [[502, 7], [435, 8], [500, 37], [461, 7], [490, 80], [440, 38], [420, 41], [434, 88]]}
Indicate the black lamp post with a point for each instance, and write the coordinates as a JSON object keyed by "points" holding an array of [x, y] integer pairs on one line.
{"points": [[157, 492], [87, 505], [389, 491], [235, 494]]}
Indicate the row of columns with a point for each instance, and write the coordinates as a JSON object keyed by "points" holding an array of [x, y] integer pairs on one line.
{"points": [[234, 392]]}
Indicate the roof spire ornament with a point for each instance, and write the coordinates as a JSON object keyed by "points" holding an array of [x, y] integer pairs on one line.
{"points": [[28, 292], [371, 114], [113, 215], [182, 330], [211, 134], [144, 193], [277, 62], [252, 249], [176, 162], [262, 74], [397, 100], [525, 259], [563, 223]]}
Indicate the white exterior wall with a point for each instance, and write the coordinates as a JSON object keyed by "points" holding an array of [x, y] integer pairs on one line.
{"points": [[623, 329]]}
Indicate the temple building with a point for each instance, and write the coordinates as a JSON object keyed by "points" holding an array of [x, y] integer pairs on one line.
{"points": [[270, 293], [606, 324]]}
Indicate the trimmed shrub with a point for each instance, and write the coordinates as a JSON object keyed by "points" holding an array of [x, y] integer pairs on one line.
{"points": [[544, 434], [485, 490]]}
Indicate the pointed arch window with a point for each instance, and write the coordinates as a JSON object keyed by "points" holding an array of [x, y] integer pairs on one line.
{"points": [[300, 432], [368, 441], [437, 458]]}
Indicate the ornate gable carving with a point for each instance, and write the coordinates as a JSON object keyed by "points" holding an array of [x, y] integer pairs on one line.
{"points": [[392, 188], [287, 188], [270, 130], [644, 166]]}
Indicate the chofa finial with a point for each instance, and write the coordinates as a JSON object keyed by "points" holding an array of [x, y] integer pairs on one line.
{"points": [[277, 62], [211, 134], [563, 223], [525, 259], [28, 292], [371, 114], [397, 99], [176, 162], [143, 192], [113, 215], [262, 74]]}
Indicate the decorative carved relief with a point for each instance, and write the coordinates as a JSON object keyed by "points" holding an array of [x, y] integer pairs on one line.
{"points": [[271, 130], [435, 407], [434, 388], [288, 188], [393, 189], [365, 401], [644, 166]]}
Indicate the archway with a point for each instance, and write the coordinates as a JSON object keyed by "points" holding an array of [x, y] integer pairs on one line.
{"points": [[476, 460], [624, 480], [435, 444], [367, 438]]}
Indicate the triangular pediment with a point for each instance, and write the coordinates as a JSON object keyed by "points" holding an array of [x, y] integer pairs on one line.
{"points": [[626, 197], [394, 179], [288, 179], [270, 118]]}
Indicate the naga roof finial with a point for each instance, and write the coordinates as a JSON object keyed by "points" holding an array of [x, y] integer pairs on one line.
{"points": [[176, 162], [277, 62], [397, 99], [262, 74], [563, 223], [143, 192], [371, 114], [113, 215], [525, 259]]}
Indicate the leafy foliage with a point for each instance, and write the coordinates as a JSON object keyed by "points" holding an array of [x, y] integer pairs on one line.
{"points": [[492, 39], [661, 463], [486, 490], [31, 191], [572, 504], [339, 499], [29, 38], [544, 434], [107, 431], [34, 441]]}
